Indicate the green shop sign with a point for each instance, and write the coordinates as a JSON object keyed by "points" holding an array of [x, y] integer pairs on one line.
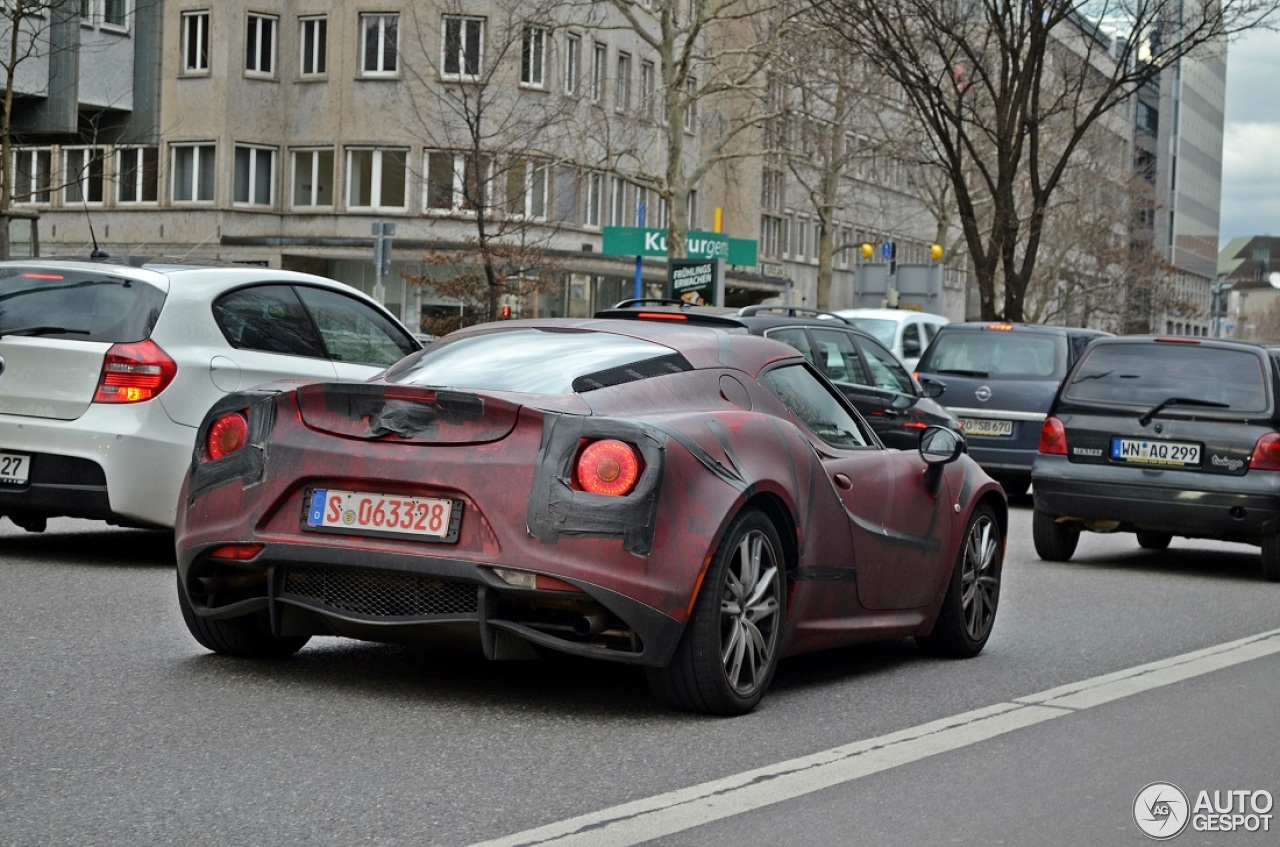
{"points": [[651, 241]]}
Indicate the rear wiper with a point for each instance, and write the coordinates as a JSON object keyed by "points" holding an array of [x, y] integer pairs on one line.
{"points": [[958, 372], [1180, 401], [43, 330]]}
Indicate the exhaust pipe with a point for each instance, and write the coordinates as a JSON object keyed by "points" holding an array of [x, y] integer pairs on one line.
{"points": [[592, 623]]}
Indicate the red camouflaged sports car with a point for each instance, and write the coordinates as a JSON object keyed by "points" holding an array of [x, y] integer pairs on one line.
{"points": [[694, 500]]}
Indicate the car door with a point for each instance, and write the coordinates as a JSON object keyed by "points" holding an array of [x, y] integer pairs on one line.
{"points": [[897, 529], [358, 339]]}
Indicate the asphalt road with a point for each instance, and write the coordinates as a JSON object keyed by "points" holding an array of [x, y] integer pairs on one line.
{"points": [[118, 729]]}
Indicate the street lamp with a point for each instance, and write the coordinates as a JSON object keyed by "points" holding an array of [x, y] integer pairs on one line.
{"points": [[1218, 306]]}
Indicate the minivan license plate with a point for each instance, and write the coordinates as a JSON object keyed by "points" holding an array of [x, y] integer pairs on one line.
{"points": [[13, 468], [985, 428], [1176, 454]]}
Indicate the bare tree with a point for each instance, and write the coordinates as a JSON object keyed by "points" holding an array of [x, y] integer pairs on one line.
{"points": [[1006, 92]]}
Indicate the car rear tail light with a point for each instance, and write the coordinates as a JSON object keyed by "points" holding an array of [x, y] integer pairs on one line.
{"points": [[662, 316], [227, 435], [1053, 438], [1266, 453], [236, 552], [134, 373], [608, 467], [1001, 327]]}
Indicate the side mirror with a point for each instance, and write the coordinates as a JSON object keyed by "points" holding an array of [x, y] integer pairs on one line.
{"points": [[939, 446], [932, 388]]}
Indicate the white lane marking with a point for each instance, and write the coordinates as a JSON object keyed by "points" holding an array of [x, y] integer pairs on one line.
{"points": [[675, 811]]}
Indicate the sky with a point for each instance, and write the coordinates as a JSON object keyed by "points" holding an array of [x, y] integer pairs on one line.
{"points": [[1251, 141]]}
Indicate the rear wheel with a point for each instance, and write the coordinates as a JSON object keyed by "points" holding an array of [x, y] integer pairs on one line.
{"points": [[969, 610], [729, 650], [1271, 557], [248, 637], [1154, 540], [1055, 542]]}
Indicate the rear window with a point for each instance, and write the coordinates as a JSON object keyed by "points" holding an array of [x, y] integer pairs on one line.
{"points": [[1146, 375], [76, 305], [538, 361], [881, 329], [995, 354]]}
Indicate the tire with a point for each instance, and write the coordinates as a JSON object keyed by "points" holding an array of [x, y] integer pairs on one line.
{"points": [[1154, 540], [968, 611], [248, 637], [1054, 542], [730, 647], [1271, 558]]}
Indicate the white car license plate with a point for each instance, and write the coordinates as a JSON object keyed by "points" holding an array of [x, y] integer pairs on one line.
{"points": [[14, 468], [985, 428], [1177, 454], [368, 512]]}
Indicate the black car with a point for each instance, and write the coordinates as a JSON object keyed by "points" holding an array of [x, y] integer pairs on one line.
{"points": [[1000, 378], [866, 372], [1163, 437]]}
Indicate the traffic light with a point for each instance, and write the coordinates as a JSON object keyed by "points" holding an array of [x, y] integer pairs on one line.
{"points": [[506, 312]]}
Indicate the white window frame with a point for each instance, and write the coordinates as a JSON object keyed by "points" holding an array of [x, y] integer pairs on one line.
{"points": [[260, 39], [377, 155], [84, 175], [313, 46], [39, 164], [255, 159], [383, 28], [572, 64], [647, 76], [622, 86], [529, 180], [462, 65], [305, 176], [533, 57], [195, 43], [459, 203], [618, 202], [599, 54], [203, 173], [592, 199], [123, 10], [133, 160]]}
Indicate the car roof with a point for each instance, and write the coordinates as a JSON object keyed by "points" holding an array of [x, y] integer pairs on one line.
{"points": [[898, 315], [758, 317], [1013, 326], [1266, 346]]}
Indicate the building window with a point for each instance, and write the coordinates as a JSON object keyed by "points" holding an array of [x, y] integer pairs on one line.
{"points": [[617, 201], [690, 113], [527, 189], [115, 13], [691, 208], [195, 42], [455, 182], [84, 175], [255, 175], [138, 174], [597, 72], [379, 44], [260, 45], [646, 88], [314, 39], [622, 94], [193, 173], [572, 64], [33, 174], [770, 235], [592, 187], [376, 178], [533, 57], [463, 48], [313, 177]]}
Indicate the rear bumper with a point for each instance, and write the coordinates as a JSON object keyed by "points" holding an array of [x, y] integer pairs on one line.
{"points": [[1239, 508]]}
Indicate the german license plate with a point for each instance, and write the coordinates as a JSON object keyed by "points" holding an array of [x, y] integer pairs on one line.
{"points": [[14, 468], [371, 513], [985, 428], [1176, 454]]}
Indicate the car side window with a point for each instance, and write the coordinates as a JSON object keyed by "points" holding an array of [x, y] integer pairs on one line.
{"points": [[886, 371], [797, 338], [837, 356], [911, 344], [269, 318], [353, 332], [810, 400]]}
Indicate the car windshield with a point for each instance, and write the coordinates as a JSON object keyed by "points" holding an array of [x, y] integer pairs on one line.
{"points": [[879, 327], [40, 301], [1150, 374], [538, 361], [996, 354]]}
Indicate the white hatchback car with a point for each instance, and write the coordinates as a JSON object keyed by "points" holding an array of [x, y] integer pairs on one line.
{"points": [[107, 368], [907, 332]]}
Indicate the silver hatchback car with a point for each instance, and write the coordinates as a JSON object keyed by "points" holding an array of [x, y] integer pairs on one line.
{"points": [[107, 368]]}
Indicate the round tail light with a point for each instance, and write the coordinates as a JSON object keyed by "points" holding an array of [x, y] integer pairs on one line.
{"points": [[228, 434], [608, 467]]}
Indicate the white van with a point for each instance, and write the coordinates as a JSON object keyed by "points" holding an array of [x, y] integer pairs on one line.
{"points": [[904, 331]]}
